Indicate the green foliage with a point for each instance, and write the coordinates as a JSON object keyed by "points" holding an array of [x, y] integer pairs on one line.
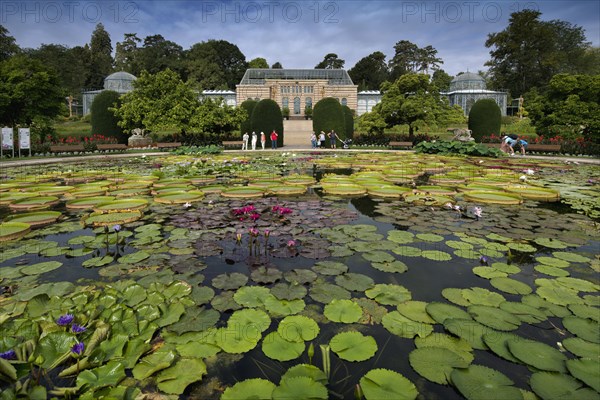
{"points": [[247, 105], [409, 58], [158, 102], [331, 61], [213, 116], [441, 80], [348, 121], [464, 148], [216, 64], [370, 72], [8, 45], [371, 123], [529, 52], [158, 54], [100, 57], [327, 115], [104, 121], [29, 90], [285, 112], [267, 117], [258, 62], [308, 112], [484, 118]]}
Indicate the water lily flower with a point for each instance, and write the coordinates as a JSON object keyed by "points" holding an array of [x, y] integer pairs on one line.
{"points": [[275, 208], [116, 228], [78, 348], [477, 212], [523, 178], [267, 233], [284, 210], [65, 319], [238, 237], [484, 260], [254, 231], [456, 207], [448, 205], [210, 202], [291, 243], [9, 355], [187, 205], [254, 216], [76, 328], [529, 171]]}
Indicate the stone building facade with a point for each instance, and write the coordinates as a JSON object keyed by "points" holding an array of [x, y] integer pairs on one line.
{"points": [[297, 89]]}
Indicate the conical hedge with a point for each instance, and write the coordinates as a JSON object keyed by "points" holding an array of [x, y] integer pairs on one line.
{"points": [[485, 118], [266, 117]]}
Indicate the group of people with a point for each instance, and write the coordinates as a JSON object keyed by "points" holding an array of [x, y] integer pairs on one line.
{"points": [[319, 142], [512, 141], [263, 140]]}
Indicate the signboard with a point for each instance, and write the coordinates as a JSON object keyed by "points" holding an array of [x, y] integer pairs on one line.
{"points": [[7, 139], [24, 138]]}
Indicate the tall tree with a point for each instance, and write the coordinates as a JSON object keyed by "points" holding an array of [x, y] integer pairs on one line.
{"points": [[216, 56], [427, 58], [441, 80], [158, 54], [8, 45], [277, 65], [28, 90], [100, 57], [258, 62], [69, 67], [404, 60], [331, 61], [529, 52], [125, 56], [370, 71]]}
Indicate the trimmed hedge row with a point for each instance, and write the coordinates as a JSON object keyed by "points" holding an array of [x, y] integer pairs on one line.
{"points": [[103, 120], [485, 118]]}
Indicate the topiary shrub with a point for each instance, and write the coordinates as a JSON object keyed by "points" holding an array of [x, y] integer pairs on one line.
{"points": [[266, 117], [485, 118], [103, 120], [327, 115], [348, 121], [248, 105]]}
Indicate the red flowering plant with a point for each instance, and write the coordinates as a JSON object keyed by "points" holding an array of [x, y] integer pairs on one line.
{"points": [[89, 142]]}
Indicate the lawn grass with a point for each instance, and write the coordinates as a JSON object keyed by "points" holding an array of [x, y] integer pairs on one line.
{"points": [[77, 129]]}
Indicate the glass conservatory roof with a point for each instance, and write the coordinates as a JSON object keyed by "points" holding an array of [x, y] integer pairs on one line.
{"points": [[258, 76]]}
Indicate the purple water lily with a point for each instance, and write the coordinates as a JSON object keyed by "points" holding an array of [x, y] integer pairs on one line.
{"points": [[116, 228], [65, 319], [78, 348], [76, 328], [484, 260], [9, 355]]}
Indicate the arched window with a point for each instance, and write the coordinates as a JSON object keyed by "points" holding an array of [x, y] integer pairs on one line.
{"points": [[344, 101], [296, 105], [308, 102], [285, 102]]}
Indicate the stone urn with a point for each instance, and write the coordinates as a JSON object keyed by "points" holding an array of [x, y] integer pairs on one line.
{"points": [[139, 139]]}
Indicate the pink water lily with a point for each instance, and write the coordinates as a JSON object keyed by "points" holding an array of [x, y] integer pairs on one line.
{"points": [[477, 212], [291, 243], [254, 216], [254, 231]]}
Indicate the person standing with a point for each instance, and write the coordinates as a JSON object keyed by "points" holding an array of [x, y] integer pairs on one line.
{"points": [[333, 137], [254, 138], [274, 136], [313, 140], [322, 140], [263, 140], [245, 141]]}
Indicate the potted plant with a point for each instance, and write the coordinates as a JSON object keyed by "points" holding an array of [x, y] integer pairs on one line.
{"points": [[308, 112], [285, 112]]}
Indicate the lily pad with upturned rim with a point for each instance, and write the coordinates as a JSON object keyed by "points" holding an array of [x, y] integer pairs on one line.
{"points": [[37, 218], [34, 203], [243, 192], [179, 197], [492, 197], [121, 205], [13, 230]]}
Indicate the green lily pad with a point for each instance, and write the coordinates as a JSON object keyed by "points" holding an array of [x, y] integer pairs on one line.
{"points": [[250, 389], [224, 302], [251, 296], [585, 311], [481, 296], [385, 384], [282, 308], [522, 247], [326, 292], [300, 387], [511, 286], [278, 348], [469, 330], [436, 255], [236, 340], [586, 370], [401, 237], [378, 257], [551, 243], [306, 370], [537, 354], [285, 291], [266, 275], [134, 258], [394, 266], [300, 276], [571, 257], [37, 218], [40, 268], [524, 312], [479, 382], [230, 281], [109, 374], [179, 376], [13, 230], [489, 272], [345, 311], [353, 346], [581, 348], [407, 251], [553, 262], [401, 326], [586, 329], [494, 317], [298, 328], [354, 282], [153, 363], [551, 271], [195, 319], [456, 345], [416, 311], [435, 363], [440, 311], [388, 294], [555, 386], [330, 268]]}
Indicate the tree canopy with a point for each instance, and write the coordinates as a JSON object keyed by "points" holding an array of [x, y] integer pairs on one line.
{"points": [[370, 71], [100, 57], [8, 45], [409, 57], [529, 52], [331, 61], [258, 62]]}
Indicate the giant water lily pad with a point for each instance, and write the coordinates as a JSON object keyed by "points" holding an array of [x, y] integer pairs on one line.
{"points": [[479, 382], [353, 346], [34, 203], [385, 384], [13, 230], [482, 196], [121, 205], [243, 192], [113, 218], [534, 192], [179, 197], [87, 203], [37, 218]]}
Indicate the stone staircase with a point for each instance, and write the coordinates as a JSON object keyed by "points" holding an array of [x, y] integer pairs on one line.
{"points": [[297, 133]]}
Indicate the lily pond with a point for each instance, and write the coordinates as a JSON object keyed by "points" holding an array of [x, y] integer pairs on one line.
{"points": [[300, 276]]}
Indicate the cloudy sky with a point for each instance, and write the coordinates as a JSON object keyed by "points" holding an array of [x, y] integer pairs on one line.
{"points": [[296, 33]]}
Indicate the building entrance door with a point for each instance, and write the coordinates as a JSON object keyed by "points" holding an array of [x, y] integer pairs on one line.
{"points": [[297, 105]]}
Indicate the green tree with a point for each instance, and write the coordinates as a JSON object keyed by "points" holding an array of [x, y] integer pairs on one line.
{"points": [[348, 122], [529, 52], [103, 118], [371, 123], [216, 64], [267, 117], [100, 57], [28, 89], [258, 62], [8, 45], [213, 116], [331, 61], [485, 118], [411, 100], [158, 54], [404, 60], [569, 107], [246, 125], [70, 69], [370, 71], [328, 115], [441, 80], [125, 55], [158, 102], [277, 65]]}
